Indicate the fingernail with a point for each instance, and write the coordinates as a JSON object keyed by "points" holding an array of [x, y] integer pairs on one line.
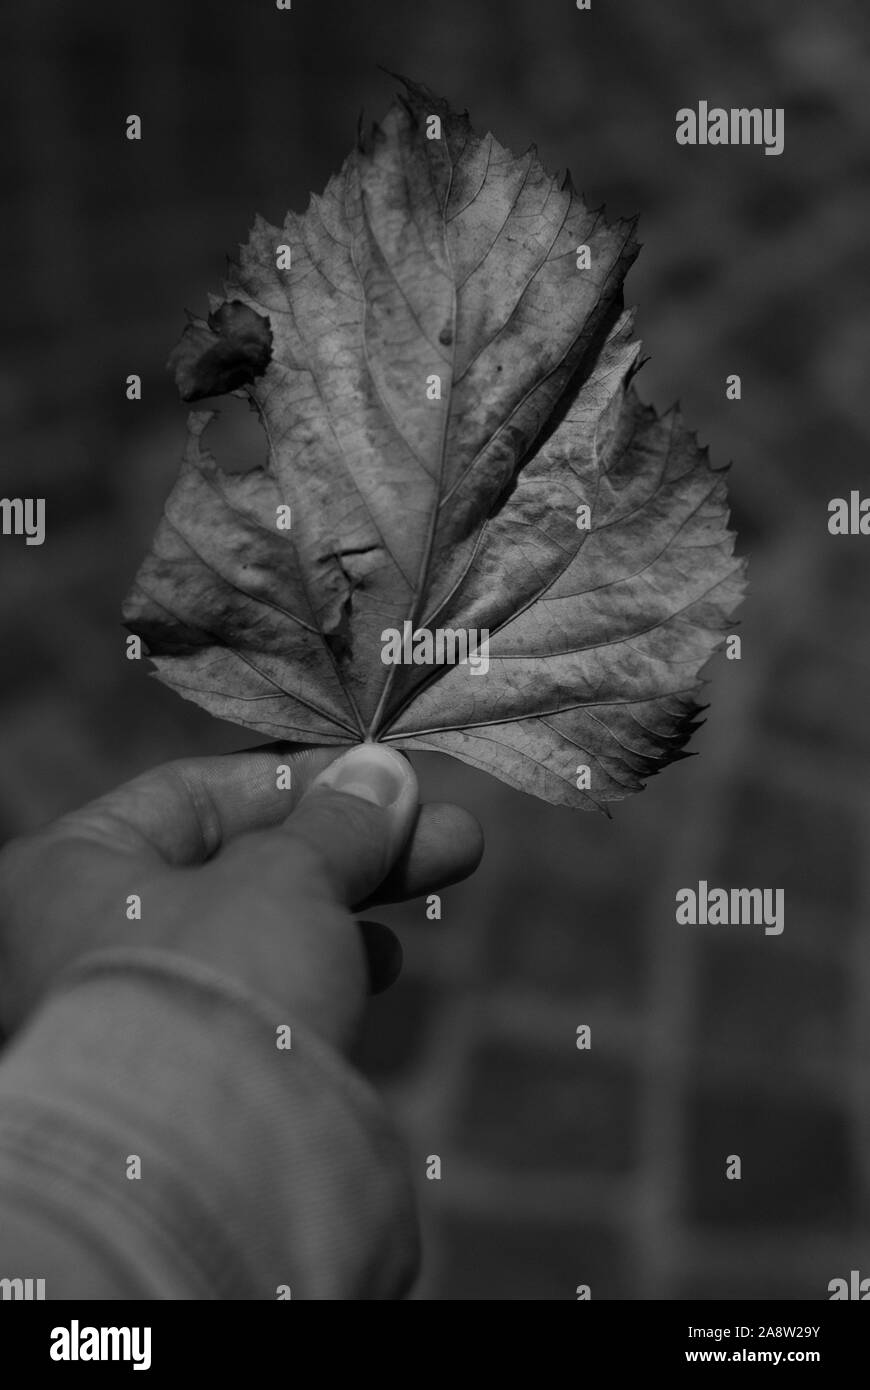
{"points": [[371, 771]]}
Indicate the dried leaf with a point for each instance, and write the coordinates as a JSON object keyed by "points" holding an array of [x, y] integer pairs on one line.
{"points": [[451, 258]]}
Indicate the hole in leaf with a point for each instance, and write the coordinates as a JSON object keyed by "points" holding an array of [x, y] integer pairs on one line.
{"points": [[235, 437]]}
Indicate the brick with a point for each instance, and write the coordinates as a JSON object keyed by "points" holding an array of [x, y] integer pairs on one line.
{"points": [[759, 1007], [750, 1283], [568, 916], [807, 702], [526, 1111], [797, 1169], [776, 839], [512, 1259]]}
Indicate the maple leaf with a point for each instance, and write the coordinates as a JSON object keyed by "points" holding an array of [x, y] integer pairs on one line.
{"points": [[456, 510]]}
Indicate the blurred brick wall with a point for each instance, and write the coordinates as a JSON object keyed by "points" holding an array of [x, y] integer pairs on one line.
{"points": [[559, 1167]]}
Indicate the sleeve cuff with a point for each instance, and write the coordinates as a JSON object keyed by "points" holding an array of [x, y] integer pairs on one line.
{"points": [[262, 1169]]}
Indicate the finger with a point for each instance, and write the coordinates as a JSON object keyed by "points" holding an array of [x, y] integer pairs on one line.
{"points": [[347, 831], [445, 846], [383, 955], [184, 811]]}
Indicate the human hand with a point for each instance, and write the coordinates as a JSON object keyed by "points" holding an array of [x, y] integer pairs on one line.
{"points": [[254, 881]]}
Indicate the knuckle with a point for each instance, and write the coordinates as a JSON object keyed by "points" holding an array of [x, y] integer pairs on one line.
{"points": [[193, 793]]}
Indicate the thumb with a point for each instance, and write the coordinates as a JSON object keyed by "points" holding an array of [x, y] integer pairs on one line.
{"points": [[356, 818]]}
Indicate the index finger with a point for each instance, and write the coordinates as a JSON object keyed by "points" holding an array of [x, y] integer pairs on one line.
{"points": [[184, 811]]}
